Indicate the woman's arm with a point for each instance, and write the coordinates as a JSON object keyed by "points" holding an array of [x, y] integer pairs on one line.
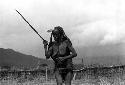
{"points": [[72, 50], [48, 52]]}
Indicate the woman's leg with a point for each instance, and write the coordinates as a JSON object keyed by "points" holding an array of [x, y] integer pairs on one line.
{"points": [[58, 77], [68, 78]]}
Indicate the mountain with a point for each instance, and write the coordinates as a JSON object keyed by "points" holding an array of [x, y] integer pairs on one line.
{"points": [[9, 57]]}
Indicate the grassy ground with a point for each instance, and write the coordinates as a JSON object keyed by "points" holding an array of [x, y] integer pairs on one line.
{"points": [[108, 76], [41, 81]]}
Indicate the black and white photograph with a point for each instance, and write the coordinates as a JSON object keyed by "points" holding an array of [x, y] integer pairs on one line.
{"points": [[62, 42]]}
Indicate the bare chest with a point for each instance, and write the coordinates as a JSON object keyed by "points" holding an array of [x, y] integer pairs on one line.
{"points": [[60, 49]]}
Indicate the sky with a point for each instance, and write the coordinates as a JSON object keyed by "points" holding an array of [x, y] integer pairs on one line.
{"points": [[95, 27]]}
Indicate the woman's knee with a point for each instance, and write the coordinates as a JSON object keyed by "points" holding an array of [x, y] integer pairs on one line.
{"points": [[59, 81], [68, 82], [68, 78]]}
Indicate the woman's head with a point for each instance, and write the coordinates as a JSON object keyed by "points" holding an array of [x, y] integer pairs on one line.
{"points": [[57, 33]]}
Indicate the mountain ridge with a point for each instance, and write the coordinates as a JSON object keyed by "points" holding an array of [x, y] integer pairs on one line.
{"points": [[9, 57]]}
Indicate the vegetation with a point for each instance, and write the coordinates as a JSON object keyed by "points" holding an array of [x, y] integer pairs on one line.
{"points": [[114, 75]]}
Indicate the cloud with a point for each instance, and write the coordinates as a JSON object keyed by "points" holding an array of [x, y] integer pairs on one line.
{"points": [[116, 34], [101, 32]]}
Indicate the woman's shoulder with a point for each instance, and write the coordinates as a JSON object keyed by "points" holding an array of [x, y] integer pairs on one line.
{"points": [[68, 42], [53, 43]]}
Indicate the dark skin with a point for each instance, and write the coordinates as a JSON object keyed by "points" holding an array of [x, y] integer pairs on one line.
{"points": [[64, 55]]}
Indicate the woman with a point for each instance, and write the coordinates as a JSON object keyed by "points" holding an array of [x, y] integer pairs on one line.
{"points": [[62, 52]]}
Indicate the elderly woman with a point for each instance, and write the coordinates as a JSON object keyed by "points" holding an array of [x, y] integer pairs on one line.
{"points": [[62, 52]]}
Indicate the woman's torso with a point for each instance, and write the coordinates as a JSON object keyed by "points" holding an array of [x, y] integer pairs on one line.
{"points": [[61, 50]]}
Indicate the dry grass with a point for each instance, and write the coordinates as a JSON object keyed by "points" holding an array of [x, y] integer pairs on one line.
{"points": [[111, 77], [41, 81], [101, 81]]}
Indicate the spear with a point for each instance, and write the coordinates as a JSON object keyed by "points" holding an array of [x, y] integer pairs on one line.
{"points": [[29, 25]]}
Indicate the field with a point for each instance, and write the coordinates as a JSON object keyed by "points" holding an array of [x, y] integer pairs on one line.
{"points": [[89, 76]]}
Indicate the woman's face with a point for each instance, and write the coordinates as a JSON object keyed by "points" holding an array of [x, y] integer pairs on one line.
{"points": [[56, 35]]}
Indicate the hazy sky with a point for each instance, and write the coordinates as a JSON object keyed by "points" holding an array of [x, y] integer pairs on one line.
{"points": [[94, 26]]}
